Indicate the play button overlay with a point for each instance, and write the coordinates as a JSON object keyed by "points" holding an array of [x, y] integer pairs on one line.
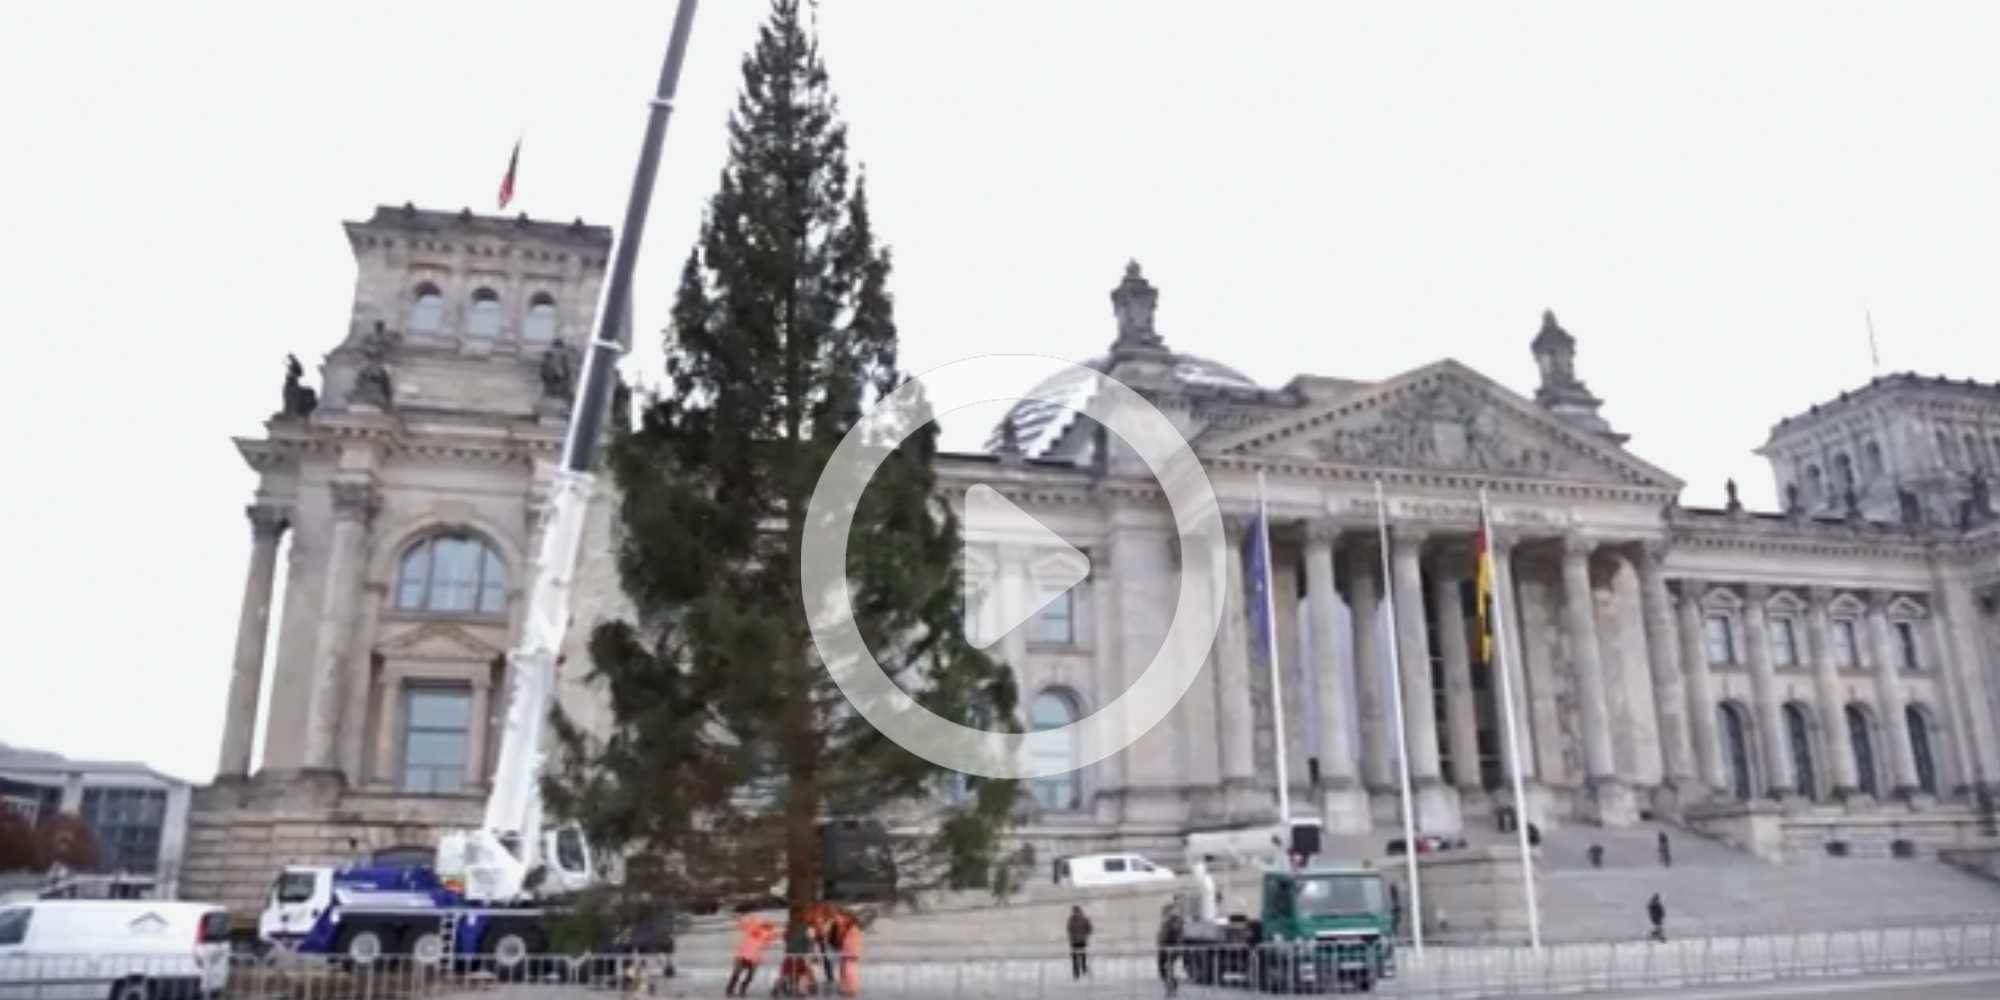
{"points": [[992, 520], [1178, 487]]}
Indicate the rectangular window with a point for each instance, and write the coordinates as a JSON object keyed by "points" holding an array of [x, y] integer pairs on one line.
{"points": [[1784, 647], [1906, 646], [1844, 655], [1721, 640], [436, 726], [128, 824], [1055, 624]]}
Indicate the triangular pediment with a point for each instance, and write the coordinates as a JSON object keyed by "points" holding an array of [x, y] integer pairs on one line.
{"points": [[1445, 417], [438, 641]]}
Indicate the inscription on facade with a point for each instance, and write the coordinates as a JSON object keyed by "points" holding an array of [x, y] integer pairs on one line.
{"points": [[1458, 512]]}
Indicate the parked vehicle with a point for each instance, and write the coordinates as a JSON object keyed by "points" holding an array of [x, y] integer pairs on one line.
{"points": [[90, 949], [1091, 871]]}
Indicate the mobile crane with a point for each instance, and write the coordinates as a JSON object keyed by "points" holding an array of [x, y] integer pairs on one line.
{"points": [[491, 888]]}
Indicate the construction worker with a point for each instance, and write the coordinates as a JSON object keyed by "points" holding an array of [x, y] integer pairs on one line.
{"points": [[848, 942], [754, 934]]}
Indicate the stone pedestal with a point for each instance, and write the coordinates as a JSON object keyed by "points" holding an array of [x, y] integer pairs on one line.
{"points": [[1438, 809], [1611, 803], [1345, 811], [1477, 893]]}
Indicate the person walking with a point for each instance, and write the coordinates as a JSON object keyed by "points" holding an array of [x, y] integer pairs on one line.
{"points": [[1172, 932], [1656, 913], [1079, 943], [1666, 851]]}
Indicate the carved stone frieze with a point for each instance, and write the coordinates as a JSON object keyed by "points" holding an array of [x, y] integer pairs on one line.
{"points": [[1444, 426]]}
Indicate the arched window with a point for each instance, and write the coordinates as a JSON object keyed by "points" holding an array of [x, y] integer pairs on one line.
{"points": [[1798, 733], [539, 326], [1921, 749], [1975, 456], [484, 318], [1871, 460], [1736, 743], [1947, 449], [1815, 484], [1052, 710], [452, 573], [1861, 736], [427, 309], [1843, 472]]}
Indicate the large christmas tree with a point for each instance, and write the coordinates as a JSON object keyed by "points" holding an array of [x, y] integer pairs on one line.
{"points": [[730, 742]]}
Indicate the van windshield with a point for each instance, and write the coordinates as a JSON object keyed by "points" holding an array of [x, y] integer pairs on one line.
{"points": [[294, 887]]}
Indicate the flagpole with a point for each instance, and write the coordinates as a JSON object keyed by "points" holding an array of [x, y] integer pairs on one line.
{"points": [[1874, 353], [1277, 684], [1402, 726], [1503, 666]]}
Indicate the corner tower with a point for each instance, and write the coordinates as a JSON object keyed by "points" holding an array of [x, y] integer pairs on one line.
{"points": [[408, 486]]}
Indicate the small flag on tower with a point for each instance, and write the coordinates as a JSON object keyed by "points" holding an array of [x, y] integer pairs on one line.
{"points": [[1482, 594], [507, 182]]}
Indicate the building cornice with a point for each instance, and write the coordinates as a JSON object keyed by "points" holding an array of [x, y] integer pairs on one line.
{"points": [[288, 440], [1780, 535]]}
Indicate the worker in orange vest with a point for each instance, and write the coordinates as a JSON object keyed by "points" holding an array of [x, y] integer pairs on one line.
{"points": [[754, 934]]}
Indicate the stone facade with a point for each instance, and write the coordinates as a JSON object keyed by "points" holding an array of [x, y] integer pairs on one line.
{"points": [[1829, 662]]}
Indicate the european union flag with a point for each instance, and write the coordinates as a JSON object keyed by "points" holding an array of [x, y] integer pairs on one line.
{"points": [[1259, 585]]}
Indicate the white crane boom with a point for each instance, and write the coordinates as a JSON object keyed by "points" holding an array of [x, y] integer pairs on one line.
{"points": [[504, 860]]}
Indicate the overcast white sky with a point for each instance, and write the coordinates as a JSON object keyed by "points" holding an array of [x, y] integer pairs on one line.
{"points": [[1707, 194]]}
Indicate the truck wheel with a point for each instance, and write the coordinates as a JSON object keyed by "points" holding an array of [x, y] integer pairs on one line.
{"points": [[427, 949], [362, 947], [513, 953], [134, 988]]}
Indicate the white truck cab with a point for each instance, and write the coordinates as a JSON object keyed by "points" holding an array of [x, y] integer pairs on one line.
{"points": [[298, 897]]}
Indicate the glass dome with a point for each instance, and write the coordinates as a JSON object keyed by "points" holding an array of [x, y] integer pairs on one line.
{"points": [[1040, 424]]}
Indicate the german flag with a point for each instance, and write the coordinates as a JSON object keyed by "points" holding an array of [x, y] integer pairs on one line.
{"points": [[1482, 595]]}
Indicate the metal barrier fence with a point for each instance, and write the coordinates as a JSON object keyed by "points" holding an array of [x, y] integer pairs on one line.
{"points": [[1441, 972]]}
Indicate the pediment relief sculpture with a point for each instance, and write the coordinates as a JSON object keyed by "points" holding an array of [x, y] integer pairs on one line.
{"points": [[438, 641], [1443, 419]]}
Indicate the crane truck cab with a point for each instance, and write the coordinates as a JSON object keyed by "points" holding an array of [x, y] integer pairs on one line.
{"points": [[1317, 929]]}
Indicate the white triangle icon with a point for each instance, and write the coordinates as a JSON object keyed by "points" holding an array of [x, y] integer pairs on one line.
{"points": [[990, 520]]}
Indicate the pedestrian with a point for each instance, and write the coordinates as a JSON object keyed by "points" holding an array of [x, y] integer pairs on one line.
{"points": [[754, 934], [1597, 855], [1172, 932], [1079, 943], [1395, 912], [849, 946], [1666, 851], [1656, 912]]}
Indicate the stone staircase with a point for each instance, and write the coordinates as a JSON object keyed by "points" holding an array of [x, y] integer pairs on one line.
{"points": [[1712, 889]]}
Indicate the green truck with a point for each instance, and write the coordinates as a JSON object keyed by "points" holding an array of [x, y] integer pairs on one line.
{"points": [[1318, 929]]}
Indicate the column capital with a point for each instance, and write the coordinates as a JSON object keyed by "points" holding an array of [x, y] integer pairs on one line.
{"points": [[1502, 541], [1653, 552], [1237, 524], [1408, 534], [1574, 546], [1819, 597], [267, 522], [1756, 594], [356, 501], [1324, 531], [1879, 601], [1691, 591]]}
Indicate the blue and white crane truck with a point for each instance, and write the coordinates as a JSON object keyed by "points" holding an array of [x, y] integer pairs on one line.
{"points": [[492, 890]]}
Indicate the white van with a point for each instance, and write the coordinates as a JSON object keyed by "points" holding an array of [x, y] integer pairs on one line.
{"points": [[89, 949], [1091, 871]]}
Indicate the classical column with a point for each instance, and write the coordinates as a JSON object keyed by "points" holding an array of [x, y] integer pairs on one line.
{"points": [[1106, 778], [1664, 657], [1343, 806], [1779, 777], [1448, 604], [1701, 700], [354, 507], [1506, 613], [253, 630], [1838, 742], [1013, 600], [1436, 807], [1580, 622], [1964, 664], [388, 762], [1364, 603], [1889, 702], [1232, 663]]}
